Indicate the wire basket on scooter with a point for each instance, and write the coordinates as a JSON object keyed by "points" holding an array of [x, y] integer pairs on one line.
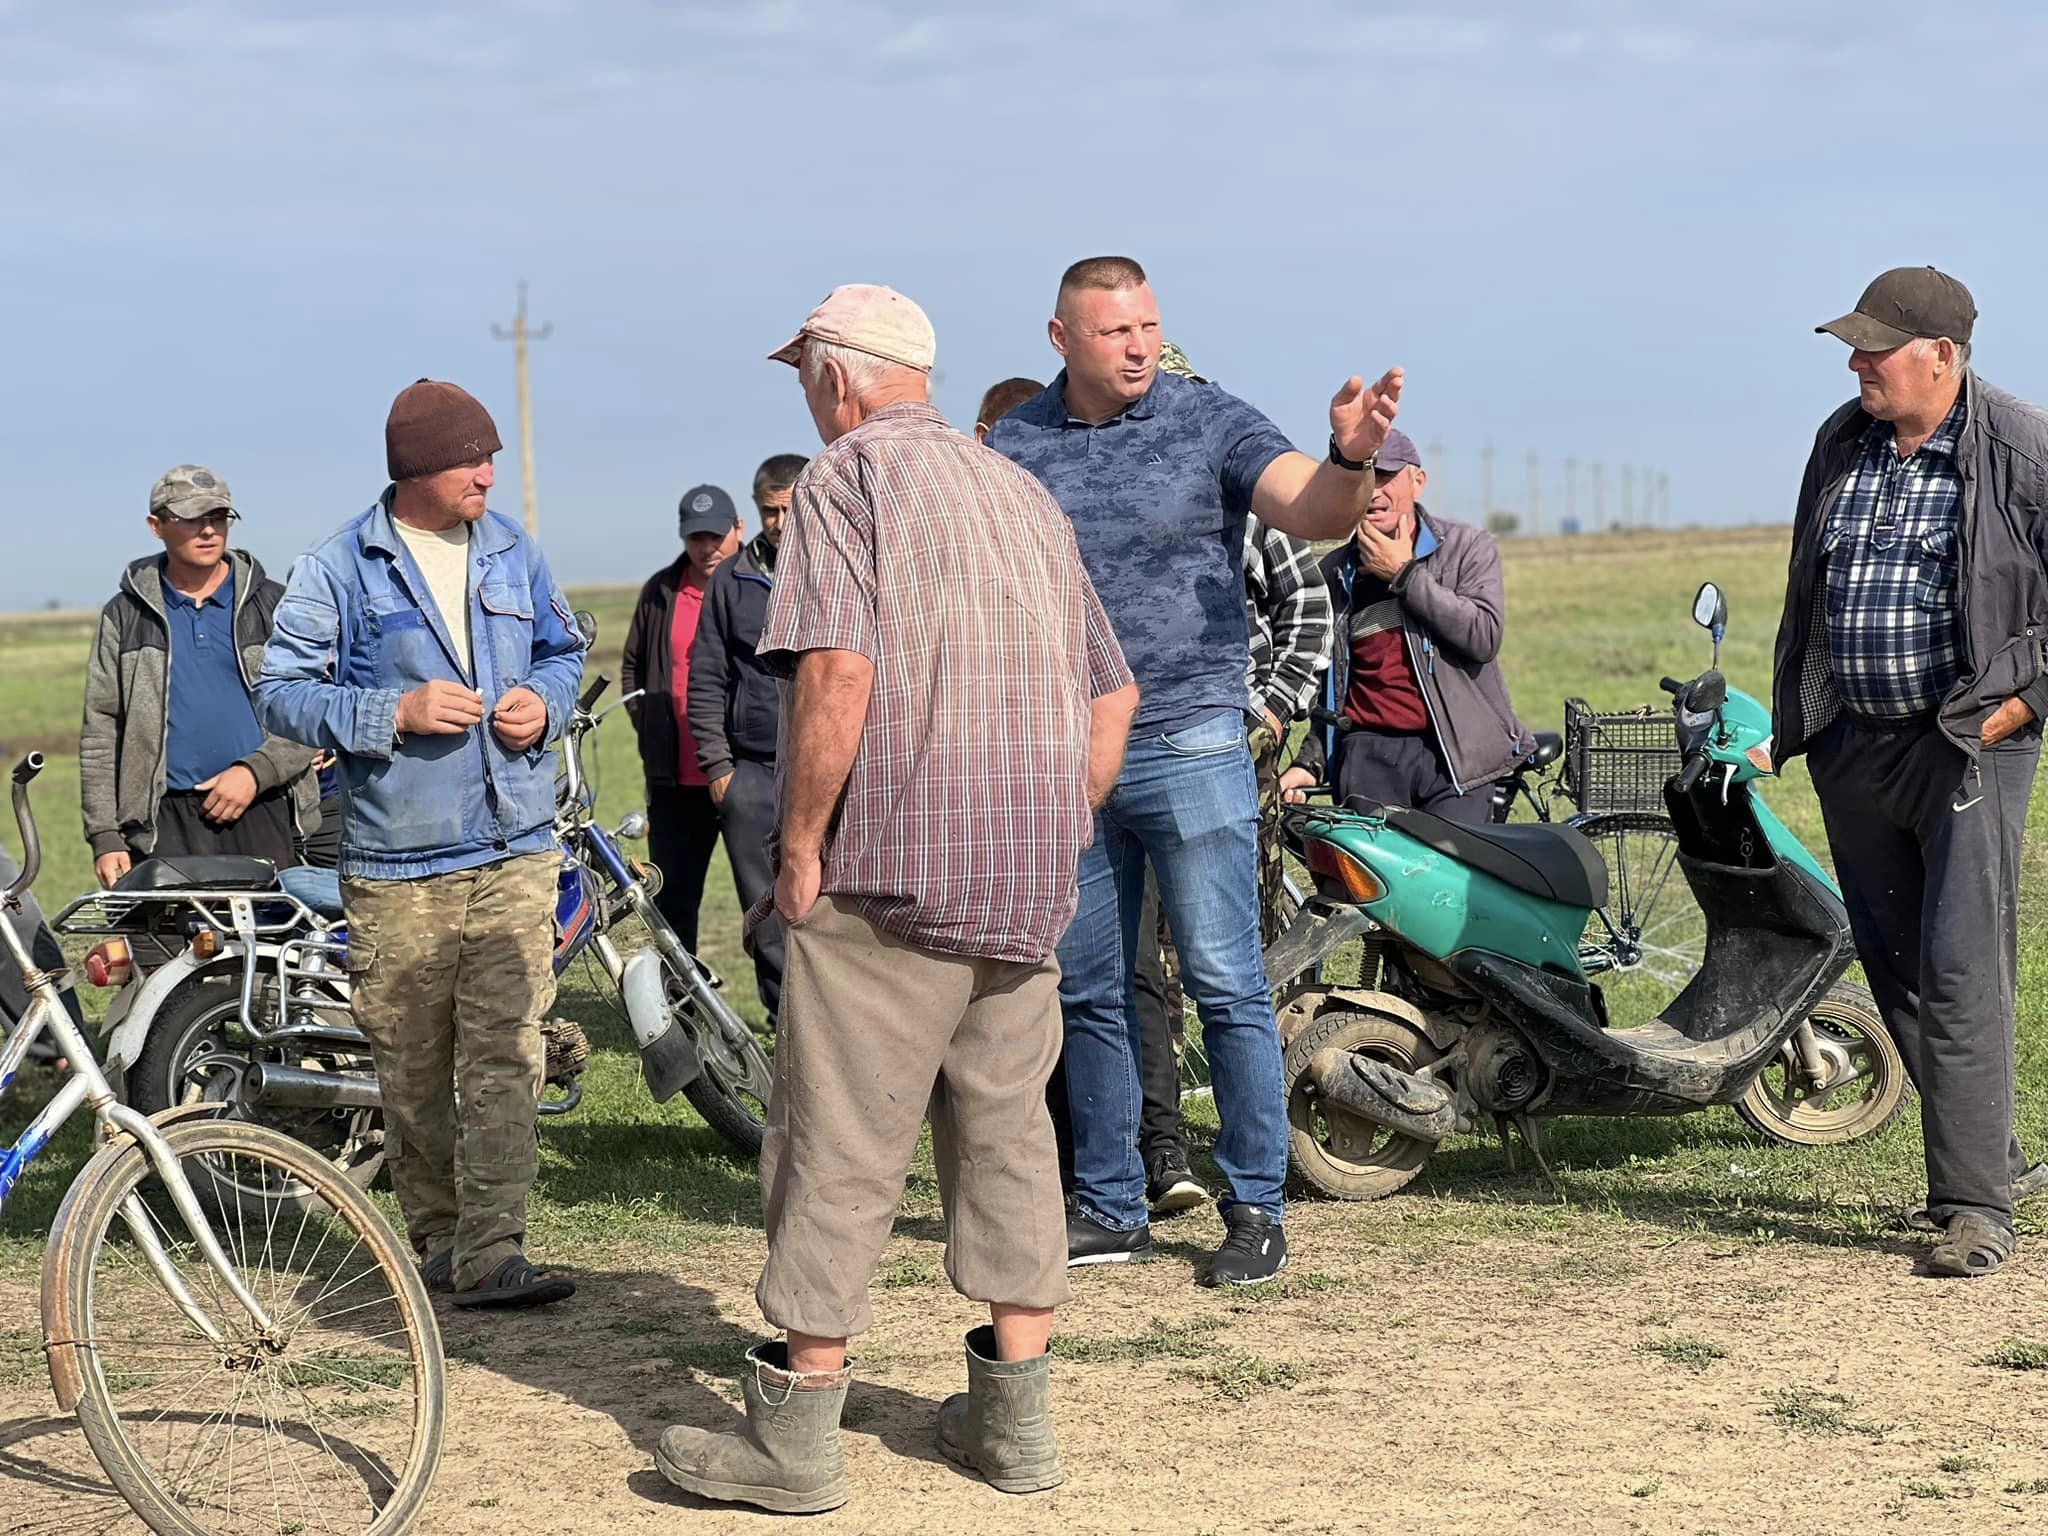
{"points": [[1618, 761]]}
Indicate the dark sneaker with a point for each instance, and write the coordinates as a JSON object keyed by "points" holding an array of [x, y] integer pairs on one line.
{"points": [[1253, 1252], [1172, 1187], [1090, 1242], [2029, 1184]]}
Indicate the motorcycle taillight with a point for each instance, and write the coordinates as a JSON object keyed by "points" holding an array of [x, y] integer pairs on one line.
{"points": [[109, 964]]}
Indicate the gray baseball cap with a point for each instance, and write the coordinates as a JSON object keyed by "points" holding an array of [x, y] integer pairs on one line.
{"points": [[1397, 452], [189, 491]]}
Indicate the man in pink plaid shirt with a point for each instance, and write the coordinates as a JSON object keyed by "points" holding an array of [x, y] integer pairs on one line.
{"points": [[956, 707]]}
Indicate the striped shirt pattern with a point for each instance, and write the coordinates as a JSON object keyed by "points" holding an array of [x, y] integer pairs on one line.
{"points": [[1890, 549], [1287, 606], [957, 575]]}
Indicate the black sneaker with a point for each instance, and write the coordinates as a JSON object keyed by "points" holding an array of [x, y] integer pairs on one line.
{"points": [[1090, 1242], [1253, 1252], [1172, 1187]]}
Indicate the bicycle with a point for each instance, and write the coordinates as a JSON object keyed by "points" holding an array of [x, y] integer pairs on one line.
{"points": [[282, 1373]]}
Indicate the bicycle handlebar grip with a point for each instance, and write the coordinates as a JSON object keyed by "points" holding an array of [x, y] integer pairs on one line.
{"points": [[28, 767], [1694, 770], [590, 694]]}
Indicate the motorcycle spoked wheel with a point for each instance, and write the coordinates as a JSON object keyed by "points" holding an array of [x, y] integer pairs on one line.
{"points": [[732, 1091], [1780, 1104], [1336, 1152], [203, 1017]]}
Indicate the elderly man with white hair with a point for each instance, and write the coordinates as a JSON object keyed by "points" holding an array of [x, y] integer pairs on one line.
{"points": [[955, 706], [1911, 669]]}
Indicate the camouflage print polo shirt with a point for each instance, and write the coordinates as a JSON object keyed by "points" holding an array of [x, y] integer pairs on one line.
{"points": [[1158, 497]]}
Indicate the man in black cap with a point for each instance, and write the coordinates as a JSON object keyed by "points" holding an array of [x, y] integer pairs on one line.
{"points": [[1910, 667], [682, 817]]}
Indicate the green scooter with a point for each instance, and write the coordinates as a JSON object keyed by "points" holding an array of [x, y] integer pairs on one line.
{"points": [[1484, 1007]]}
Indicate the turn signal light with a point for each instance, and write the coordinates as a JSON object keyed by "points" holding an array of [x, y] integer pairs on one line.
{"points": [[1760, 755], [1359, 883], [109, 964], [205, 944]]}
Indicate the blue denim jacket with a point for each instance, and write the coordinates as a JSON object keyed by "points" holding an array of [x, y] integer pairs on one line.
{"points": [[356, 628]]}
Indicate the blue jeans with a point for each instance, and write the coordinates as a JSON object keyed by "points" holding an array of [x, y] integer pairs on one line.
{"points": [[1189, 803]]}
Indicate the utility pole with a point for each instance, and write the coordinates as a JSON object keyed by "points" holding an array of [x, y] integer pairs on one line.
{"points": [[519, 336], [1599, 497], [1571, 493], [1535, 496], [1628, 495], [1486, 487]]}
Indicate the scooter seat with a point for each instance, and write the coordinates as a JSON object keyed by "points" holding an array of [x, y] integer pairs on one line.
{"points": [[201, 872], [1553, 862]]}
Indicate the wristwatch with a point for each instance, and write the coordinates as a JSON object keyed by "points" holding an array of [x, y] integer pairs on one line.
{"points": [[1337, 458]]}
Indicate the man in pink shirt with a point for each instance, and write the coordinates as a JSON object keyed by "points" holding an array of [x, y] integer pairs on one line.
{"points": [[682, 821]]}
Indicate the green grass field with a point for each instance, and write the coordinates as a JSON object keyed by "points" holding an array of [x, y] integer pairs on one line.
{"points": [[1601, 618]]}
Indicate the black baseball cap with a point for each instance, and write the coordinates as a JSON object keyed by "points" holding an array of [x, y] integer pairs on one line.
{"points": [[705, 509], [1905, 303]]}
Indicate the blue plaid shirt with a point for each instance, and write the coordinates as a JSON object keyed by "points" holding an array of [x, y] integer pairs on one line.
{"points": [[1894, 643]]}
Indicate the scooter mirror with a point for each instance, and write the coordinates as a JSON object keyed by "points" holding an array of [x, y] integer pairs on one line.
{"points": [[1710, 609]]}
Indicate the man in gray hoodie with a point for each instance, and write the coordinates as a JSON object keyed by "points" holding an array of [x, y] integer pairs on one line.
{"points": [[171, 760], [1415, 670]]}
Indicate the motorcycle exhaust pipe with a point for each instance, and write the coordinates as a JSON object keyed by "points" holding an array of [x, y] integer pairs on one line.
{"points": [[295, 1088], [1372, 1090]]}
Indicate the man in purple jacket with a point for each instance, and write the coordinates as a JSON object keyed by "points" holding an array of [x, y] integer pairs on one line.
{"points": [[1414, 670]]}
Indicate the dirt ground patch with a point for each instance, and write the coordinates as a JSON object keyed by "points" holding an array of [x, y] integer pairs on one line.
{"points": [[1613, 1379]]}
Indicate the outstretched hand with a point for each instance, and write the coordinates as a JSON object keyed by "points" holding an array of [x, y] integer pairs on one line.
{"points": [[1361, 417]]}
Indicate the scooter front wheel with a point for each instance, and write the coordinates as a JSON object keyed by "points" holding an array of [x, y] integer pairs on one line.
{"points": [[1863, 1093], [1338, 1153]]}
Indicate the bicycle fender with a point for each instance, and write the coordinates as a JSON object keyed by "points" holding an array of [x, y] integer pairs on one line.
{"points": [[60, 1332]]}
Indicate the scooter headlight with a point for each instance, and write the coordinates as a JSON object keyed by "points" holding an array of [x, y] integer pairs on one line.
{"points": [[1331, 862]]}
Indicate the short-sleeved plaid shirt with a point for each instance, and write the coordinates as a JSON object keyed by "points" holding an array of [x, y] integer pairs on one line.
{"points": [[955, 573], [1891, 558]]}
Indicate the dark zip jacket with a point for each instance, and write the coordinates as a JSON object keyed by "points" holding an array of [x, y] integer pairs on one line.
{"points": [[735, 703], [2001, 580], [1452, 607], [647, 666], [122, 740]]}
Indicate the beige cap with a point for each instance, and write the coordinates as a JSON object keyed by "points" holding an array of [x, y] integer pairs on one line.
{"points": [[867, 317]]}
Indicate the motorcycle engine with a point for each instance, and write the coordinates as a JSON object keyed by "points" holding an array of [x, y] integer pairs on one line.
{"points": [[1504, 1075]]}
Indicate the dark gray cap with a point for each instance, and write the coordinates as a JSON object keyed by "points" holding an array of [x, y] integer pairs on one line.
{"points": [[1905, 303], [1397, 452], [705, 509]]}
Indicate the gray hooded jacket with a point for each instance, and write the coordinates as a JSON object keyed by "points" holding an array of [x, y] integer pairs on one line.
{"points": [[121, 744]]}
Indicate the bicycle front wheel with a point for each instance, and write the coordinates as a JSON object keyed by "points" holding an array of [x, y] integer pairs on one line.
{"points": [[1653, 939], [329, 1420]]}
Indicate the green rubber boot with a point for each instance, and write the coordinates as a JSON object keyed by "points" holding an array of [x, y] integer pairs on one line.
{"points": [[1001, 1426], [787, 1458]]}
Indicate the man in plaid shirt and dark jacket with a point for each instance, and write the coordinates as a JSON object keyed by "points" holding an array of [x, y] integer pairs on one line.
{"points": [[1910, 668]]}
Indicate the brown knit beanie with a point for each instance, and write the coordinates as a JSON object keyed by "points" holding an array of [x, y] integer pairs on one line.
{"points": [[435, 426]]}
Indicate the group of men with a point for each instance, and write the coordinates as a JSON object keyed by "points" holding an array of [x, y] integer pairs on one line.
{"points": [[970, 711]]}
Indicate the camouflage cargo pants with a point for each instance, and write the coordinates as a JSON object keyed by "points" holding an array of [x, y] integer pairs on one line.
{"points": [[449, 977]]}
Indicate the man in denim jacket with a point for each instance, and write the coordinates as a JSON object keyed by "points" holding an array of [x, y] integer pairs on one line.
{"points": [[428, 647]]}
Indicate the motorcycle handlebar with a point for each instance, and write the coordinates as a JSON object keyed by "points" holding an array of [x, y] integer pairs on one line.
{"points": [[1672, 686], [597, 687], [1694, 770], [25, 819]]}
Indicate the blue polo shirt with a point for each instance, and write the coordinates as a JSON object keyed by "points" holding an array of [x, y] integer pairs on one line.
{"points": [[209, 723], [1158, 497]]}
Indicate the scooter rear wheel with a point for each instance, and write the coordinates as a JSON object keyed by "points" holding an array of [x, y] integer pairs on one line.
{"points": [[1782, 1104], [1338, 1153]]}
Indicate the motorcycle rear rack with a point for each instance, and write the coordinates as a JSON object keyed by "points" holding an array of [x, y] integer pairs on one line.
{"points": [[227, 913]]}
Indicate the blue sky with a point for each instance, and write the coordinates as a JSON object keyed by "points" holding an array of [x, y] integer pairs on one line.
{"points": [[1596, 230]]}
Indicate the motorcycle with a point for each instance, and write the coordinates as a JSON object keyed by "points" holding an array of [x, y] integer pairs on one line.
{"points": [[232, 988], [1488, 1007]]}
